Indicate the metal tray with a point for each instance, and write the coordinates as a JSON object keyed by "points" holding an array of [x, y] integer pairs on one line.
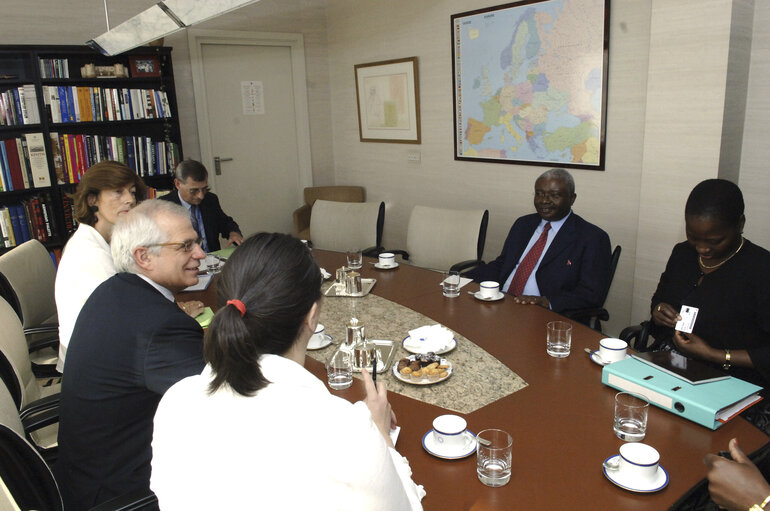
{"points": [[386, 350], [339, 289]]}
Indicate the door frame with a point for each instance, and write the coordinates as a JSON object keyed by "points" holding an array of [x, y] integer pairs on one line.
{"points": [[196, 38]]}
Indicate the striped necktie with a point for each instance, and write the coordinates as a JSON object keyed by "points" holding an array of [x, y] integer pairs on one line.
{"points": [[194, 215], [529, 262]]}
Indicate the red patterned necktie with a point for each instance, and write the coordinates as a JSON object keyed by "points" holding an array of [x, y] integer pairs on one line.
{"points": [[527, 264]]}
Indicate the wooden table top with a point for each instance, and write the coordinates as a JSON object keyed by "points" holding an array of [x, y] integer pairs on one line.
{"points": [[561, 422]]}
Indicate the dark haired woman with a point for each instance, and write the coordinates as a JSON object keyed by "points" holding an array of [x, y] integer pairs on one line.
{"points": [[727, 278], [256, 430], [106, 191]]}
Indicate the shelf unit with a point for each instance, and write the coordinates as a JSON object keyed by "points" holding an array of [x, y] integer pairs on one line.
{"points": [[20, 65]]}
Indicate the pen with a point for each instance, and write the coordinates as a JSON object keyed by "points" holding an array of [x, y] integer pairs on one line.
{"points": [[374, 370]]}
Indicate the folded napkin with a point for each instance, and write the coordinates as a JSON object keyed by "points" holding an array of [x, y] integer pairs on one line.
{"points": [[325, 274], [463, 282], [205, 317], [429, 338]]}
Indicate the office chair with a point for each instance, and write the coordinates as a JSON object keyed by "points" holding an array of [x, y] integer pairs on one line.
{"points": [[313, 193], [593, 316], [27, 284], [445, 239], [341, 226], [16, 372]]}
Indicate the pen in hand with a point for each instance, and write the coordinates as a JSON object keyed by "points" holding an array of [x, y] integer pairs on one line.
{"points": [[374, 370]]}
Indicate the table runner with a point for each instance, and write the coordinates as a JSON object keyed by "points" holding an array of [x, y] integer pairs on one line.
{"points": [[478, 378]]}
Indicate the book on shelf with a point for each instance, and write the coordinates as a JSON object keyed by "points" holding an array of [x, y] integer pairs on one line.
{"points": [[6, 228], [18, 106], [54, 68], [38, 161], [87, 104]]}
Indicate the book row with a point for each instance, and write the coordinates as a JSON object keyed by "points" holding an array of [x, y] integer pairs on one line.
{"points": [[23, 163], [86, 104], [54, 68], [29, 219], [18, 106], [74, 154]]}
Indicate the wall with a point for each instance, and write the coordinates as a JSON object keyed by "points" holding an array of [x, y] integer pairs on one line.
{"points": [[402, 28]]}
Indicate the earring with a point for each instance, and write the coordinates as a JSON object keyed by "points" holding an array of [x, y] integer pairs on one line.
{"points": [[94, 208]]}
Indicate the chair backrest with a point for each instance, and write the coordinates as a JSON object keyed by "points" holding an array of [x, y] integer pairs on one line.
{"points": [[437, 238], [334, 193], [9, 412], [27, 482], [613, 267], [31, 274], [15, 366], [342, 226]]}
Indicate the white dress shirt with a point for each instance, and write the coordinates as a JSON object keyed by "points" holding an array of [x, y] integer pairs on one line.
{"points": [[530, 288], [291, 446], [86, 263]]}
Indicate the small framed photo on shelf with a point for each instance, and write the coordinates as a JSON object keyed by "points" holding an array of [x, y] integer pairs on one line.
{"points": [[388, 101], [143, 66]]}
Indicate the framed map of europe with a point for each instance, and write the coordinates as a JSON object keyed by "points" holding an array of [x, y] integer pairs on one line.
{"points": [[530, 83]]}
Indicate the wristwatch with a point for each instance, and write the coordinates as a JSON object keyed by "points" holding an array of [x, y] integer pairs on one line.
{"points": [[726, 365]]}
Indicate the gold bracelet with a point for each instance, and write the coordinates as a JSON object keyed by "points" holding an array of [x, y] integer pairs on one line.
{"points": [[764, 502], [726, 365]]}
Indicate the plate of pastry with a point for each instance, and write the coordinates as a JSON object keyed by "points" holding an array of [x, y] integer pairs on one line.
{"points": [[422, 369]]}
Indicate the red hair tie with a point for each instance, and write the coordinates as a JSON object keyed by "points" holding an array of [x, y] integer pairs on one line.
{"points": [[238, 305]]}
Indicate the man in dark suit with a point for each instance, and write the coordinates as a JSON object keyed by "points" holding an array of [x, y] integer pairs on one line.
{"points": [[208, 219], [552, 258], [130, 343]]}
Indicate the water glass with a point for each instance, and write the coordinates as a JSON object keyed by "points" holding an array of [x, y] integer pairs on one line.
{"points": [[355, 259], [493, 457], [451, 284], [630, 422], [559, 338], [339, 370]]}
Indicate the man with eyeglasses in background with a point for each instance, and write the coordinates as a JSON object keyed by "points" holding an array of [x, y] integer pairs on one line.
{"points": [[209, 221], [130, 343], [552, 258]]}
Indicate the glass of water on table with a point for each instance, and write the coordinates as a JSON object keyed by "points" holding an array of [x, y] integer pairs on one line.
{"points": [[630, 422]]}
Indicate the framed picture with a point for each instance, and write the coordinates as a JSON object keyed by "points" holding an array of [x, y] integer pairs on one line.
{"points": [[143, 66], [530, 83], [388, 101]]}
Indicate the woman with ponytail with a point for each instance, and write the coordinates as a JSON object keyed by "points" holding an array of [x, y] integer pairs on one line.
{"points": [[256, 430]]}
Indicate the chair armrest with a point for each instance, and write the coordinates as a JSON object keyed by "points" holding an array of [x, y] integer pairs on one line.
{"points": [[466, 265], [301, 219], [372, 251], [40, 420], [637, 336], [144, 500], [587, 313], [36, 341], [41, 329], [41, 405]]}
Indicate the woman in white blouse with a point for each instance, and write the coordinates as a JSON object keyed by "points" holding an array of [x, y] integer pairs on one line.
{"points": [[256, 430], [106, 191]]}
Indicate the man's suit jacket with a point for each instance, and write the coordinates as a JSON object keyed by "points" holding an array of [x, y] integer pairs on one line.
{"points": [[129, 345], [215, 221], [573, 272]]}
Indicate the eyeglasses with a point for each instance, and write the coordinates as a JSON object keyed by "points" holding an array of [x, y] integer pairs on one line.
{"points": [[181, 246], [196, 191], [550, 195]]}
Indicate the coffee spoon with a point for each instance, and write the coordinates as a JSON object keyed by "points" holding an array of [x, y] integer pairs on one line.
{"points": [[614, 464], [592, 353]]}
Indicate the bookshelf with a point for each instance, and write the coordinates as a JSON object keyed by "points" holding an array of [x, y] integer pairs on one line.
{"points": [[62, 109]]}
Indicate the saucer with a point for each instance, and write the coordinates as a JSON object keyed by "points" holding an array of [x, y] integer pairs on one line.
{"points": [[446, 349], [616, 478], [381, 267], [436, 449], [596, 359], [327, 341], [477, 296]]}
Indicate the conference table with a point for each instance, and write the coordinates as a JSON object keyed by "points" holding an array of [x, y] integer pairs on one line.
{"points": [[561, 422]]}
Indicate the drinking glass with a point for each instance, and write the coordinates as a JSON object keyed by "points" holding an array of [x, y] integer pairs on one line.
{"points": [[630, 422], [339, 370], [354, 258], [451, 284], [559, 338], [493, 457]]}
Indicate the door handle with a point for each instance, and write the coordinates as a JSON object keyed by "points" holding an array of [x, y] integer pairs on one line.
{"points": [[218, 164]]}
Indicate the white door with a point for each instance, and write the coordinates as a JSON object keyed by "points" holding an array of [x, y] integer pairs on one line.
{"points": [[250, 116]]}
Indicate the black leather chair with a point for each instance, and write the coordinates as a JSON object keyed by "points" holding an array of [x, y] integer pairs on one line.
{"points": [[593, 316]]}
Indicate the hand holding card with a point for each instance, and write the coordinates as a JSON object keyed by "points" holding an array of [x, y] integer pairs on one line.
{"points": [[687, 323]]}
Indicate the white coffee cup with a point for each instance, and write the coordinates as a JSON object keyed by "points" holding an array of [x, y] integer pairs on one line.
{"points": [[387, 259], [448, 431], [489, 289], [612, 349], [318, 337], [638, 462]]}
